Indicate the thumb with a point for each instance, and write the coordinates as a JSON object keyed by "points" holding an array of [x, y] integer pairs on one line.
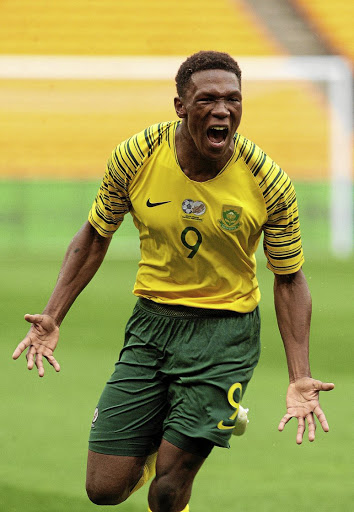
{"points": [[327, 386], [324, 386], [33, 319]]}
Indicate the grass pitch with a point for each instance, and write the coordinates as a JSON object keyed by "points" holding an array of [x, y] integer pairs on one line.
{"points": [[45, 422]]}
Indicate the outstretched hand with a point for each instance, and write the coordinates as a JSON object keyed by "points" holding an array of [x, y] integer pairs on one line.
{"points": [[41, 340], [302, 403]]}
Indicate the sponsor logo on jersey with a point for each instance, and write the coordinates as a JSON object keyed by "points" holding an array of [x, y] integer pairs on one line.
{"points": [[149, 204], [193, 209], [230, 218]]}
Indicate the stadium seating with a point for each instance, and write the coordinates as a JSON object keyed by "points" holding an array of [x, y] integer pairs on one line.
{"points": [[84, 120], [334, 21], [176, 27]]}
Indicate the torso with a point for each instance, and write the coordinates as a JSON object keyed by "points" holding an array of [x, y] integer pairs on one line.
{"points": [[198, 237]]}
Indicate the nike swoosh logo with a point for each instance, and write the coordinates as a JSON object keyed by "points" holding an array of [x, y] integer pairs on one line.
{"points": [[151, 205], [221, 426]]}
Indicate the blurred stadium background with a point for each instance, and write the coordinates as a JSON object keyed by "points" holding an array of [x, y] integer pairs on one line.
{"points": [[55, 137]]}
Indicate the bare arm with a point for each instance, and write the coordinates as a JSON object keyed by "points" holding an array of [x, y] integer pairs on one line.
{"points": [[293, 309], [82, 260]]}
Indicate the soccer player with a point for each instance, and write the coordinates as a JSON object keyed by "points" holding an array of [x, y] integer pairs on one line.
{"points": [[201, 196]]}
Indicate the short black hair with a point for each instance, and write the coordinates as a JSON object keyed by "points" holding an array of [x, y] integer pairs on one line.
{"points": [[203, 61]]}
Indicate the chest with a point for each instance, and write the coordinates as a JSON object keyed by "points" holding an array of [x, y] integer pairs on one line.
{"points": [[165, 201]]}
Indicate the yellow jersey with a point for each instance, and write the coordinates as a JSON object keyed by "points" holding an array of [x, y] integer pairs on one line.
{"points": [[198, 239]]}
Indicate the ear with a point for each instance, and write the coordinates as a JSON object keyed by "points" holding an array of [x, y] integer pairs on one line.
{"points": [[180, 108]]}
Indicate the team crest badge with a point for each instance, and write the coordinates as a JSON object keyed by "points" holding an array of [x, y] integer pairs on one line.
{"points": [[230, 218]]}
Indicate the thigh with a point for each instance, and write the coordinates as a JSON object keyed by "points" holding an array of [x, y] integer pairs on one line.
{"points": [[112, 477], [174, 460], [205, 396], [129, 416]]}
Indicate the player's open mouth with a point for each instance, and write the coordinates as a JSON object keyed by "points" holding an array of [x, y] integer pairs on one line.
{"points": [[217, 135]]}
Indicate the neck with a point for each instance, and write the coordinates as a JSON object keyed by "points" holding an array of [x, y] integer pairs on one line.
{"points": [[192, 163]]}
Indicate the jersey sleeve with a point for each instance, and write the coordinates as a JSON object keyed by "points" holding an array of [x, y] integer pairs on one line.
{"points": [[282, 237], [112, 200]]}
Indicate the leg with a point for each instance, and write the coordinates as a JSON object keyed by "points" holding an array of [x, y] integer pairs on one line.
{"points": [[175, 471], [111, 478], [127, 424]]}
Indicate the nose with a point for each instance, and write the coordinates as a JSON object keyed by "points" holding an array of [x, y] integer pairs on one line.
{"points": [[220, 109]]}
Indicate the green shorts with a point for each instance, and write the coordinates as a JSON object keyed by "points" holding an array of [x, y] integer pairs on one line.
{"points": [[180, 376]]}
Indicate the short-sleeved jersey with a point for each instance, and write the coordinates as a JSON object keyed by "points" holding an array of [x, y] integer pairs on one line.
{"points": [[198, 239]]}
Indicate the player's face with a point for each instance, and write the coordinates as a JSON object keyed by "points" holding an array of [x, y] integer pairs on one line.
{"points": [[211, 109]]}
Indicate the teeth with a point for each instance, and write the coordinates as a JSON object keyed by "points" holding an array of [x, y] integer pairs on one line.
{"points": [[218, 128]]}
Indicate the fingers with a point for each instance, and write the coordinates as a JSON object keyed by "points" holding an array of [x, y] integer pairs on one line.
{"points": [[21, 347], [302, 424], [51, 360], [39, 364], [302, 403], [41, 341], [31, 353], [36, 358], [312, 427], [322, 418], [301, 427], [300, 430], [284, 421]]}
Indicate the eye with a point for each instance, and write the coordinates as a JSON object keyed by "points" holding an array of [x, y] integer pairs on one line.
{"points": [[205, 100], [235, 100]]}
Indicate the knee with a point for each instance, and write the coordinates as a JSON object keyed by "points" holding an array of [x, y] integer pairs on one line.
{"points": [[111, 484], [100, 496]]}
